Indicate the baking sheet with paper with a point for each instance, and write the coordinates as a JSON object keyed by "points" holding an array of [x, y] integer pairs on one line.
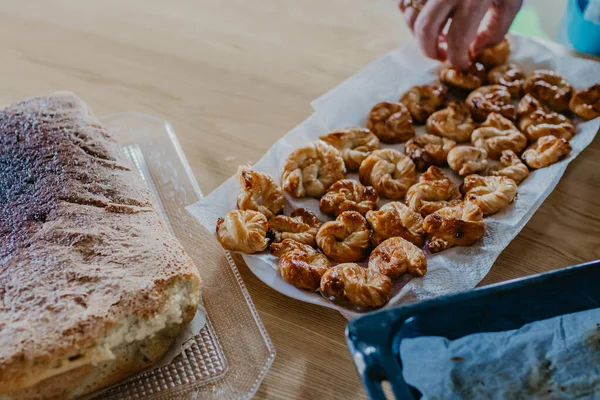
{"points": [[557, 358], [453, 270]]}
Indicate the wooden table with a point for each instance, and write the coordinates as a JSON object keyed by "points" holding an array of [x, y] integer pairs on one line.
{"points": [[233, 76]]}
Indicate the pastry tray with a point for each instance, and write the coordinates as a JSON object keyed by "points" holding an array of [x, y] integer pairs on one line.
{"points": [[232, 353]]}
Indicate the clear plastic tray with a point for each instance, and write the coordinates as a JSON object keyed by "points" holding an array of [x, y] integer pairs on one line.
{"points": [[231, 355]]}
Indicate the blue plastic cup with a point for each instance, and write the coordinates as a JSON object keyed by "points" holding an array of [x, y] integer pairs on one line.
{"points": [[582, 34]]}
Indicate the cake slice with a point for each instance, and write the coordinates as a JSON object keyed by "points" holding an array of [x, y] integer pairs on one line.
{"points": [[92, 286]]}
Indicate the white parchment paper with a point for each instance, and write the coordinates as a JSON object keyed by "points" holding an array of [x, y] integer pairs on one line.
{"points": [[557, 358], [453, 270]]}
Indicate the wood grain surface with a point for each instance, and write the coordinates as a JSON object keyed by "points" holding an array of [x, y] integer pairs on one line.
{"points": [[232, 77]]}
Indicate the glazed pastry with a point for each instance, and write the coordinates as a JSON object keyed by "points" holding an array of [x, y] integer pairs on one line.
{"points": [[586, 103], [395, 219], [550, 88], [303, 268], [396, 256], [529, 104], [495, 55], [259, 192], [354, 144], [423, 100], [348, 195], [510, 76], [426, 150], [467, 160], [243, 230], [537, 120], [434, 191], [312, 169], [510, 167], [490, 193], [497, 134], [301, 226], [286, 245], [345, 239], [543, 123], [490, 99], [390, 173], [363, 287], [453, 122], [470, 79], [546, 151], [461, 225], [391, 122]]}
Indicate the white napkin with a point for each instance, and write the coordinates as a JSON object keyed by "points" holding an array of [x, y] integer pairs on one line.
{"points": [[557, 358]]}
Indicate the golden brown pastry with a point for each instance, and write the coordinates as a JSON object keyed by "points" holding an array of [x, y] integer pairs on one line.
{"points": [[453, 122], [543, 123], [546, 151], [303, 268], [461, 225], [550, 88], [395, 219], [586, 102], [467, 160], [286, 245], [470, 79], [434, 191], [390, 173], [391, 122], [510, 167], [423, 100], [396, 256], [345, 239], [259, 192], [529, 104], [354, 144], [348, 195], [243, 230], [490, 99], [510, 76], [301, 226], [311, 169], [363, 287], [537, 120], [490, 193], [426, 150], [495, 55], [497, 134]]}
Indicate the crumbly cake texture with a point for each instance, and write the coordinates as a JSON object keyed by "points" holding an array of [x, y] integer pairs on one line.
{"points": [[92, 286]]}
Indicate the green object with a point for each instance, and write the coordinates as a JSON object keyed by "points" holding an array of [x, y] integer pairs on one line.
{"points": [[527, 22]]}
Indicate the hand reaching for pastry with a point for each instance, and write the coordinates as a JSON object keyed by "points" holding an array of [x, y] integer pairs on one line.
{"points": [[427, 19]]}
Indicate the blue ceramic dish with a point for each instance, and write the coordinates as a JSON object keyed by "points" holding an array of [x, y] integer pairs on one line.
{"points": [[374, 339]]}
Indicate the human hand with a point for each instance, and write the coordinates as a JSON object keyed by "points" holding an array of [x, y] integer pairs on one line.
{"points": [[427, 19]]}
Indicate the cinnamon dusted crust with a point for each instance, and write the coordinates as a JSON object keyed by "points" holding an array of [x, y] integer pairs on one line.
{"points": [[92, 286]]}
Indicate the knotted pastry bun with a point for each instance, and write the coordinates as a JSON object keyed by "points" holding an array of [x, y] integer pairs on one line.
{"points": [[390, 173], [348, 195], [363, 287], [243, 230], [312, 169], [345, 239], [460, 225]]}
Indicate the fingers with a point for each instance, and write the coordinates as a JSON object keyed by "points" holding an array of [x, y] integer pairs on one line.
{"points": [[410, 16], [443, 46], [463, 30], [502, 15], [429, 25]]}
